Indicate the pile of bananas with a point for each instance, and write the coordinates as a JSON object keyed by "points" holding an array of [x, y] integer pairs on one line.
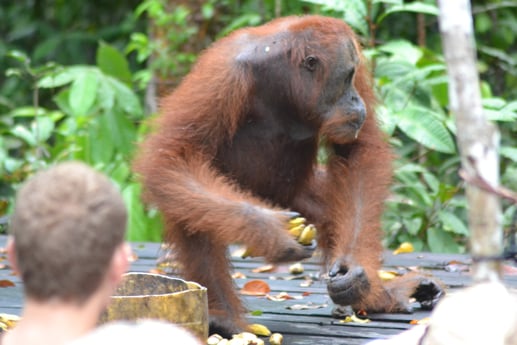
{"points": [[248, 338], [304, 234], [8, 321]]}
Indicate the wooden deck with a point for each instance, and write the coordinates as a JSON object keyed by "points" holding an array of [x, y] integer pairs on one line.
{"points": [[298, 326]]}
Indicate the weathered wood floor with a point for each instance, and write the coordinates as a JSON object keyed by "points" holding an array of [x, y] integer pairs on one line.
{"points": [[305, 326]]}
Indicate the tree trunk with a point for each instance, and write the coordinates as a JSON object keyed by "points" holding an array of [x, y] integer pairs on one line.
{"points": [[478, 140]]}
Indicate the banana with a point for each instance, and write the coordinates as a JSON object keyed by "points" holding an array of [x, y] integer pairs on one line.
{"points": [[308, 234], [258, 329], [296, 221], [297, 230], [247, 253], [405, 247]]}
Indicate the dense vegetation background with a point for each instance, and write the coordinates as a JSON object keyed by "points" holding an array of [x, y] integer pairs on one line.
{"points": [[78, 80]]}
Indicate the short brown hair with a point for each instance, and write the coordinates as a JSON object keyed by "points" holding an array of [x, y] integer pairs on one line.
{"points": [[68, 221]]}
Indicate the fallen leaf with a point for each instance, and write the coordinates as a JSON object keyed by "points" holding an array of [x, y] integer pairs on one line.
{"points": [[6, 283], [256, 288]]}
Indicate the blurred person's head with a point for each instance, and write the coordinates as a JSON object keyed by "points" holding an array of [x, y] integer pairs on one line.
{"points": [[68, 229]]}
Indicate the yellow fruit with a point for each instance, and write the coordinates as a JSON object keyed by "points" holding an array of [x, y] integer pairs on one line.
{"points": [[249, 337], [297, 230], [258, 329], [308, 234], [297, 221], [296, 268], [276, 339], [405, 247], [386, 275]]}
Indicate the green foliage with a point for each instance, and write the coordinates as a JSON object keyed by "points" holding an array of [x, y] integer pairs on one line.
{"points": [[94, 120]]}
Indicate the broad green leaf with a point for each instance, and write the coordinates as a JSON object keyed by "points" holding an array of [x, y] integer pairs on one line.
{"points": [[417, 7], [418, 195], [493, 103], [121, 172], [248, 19], [11, 164], [432, 181], [403, 50], [386, 120], [393, 2], [413, 225], [126, 98], [452, 223], [101, 142], [424, 127], [83, 92], [509, 152], [355, 14], [112, 62], [27, 112], [47, 47], [3, 155], [207, 10], [24, 134], [440, 241], [136, 216], [18, 55], [61, 77], [106, 94], [42, 128], [393, 69], [142, 226], [120, 130], [447, 192]]}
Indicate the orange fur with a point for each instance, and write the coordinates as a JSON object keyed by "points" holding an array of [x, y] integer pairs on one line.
{"points": [[235, 147]]}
